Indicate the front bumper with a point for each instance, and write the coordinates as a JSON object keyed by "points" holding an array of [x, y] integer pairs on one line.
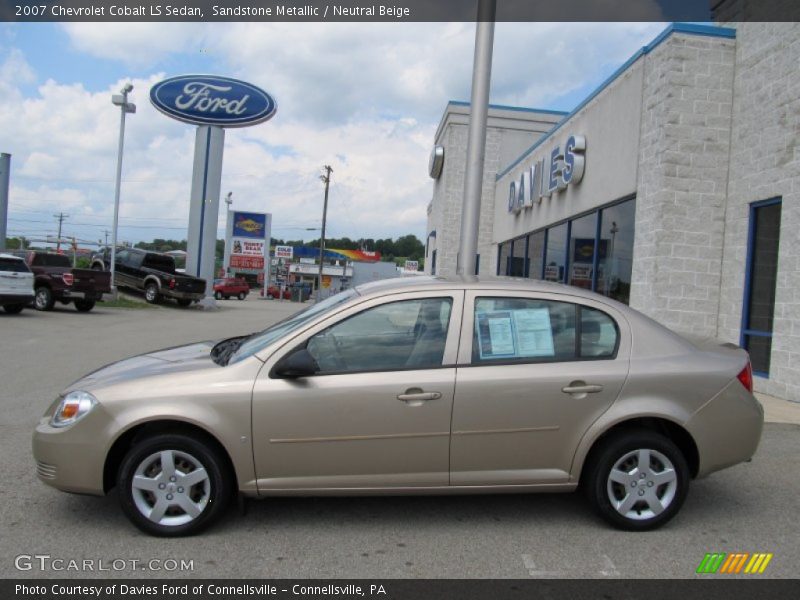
{"points": [[71, 458]]}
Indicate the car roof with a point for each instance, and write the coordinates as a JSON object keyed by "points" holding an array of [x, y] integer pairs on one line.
{"points": [[4, 255], [423, 283]]}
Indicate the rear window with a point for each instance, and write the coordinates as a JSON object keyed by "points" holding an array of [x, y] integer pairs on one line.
{"points": [[160, 263], [13, 265], [51, 260]]}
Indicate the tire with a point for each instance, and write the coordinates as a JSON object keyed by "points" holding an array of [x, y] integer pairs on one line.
{"points": [[184, 302], [43, 298], [151, 294], [218, 295], [625, 496], [209, 495], [84, 305], [13, 309], [241, 295]]}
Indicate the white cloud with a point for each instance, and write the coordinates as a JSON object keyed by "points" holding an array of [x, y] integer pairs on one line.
{"points": [[364, 98]]}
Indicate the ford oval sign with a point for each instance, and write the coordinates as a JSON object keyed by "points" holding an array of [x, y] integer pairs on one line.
{"points": [[212, 100]]}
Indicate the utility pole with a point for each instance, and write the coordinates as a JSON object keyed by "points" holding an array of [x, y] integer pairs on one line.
{"points": [[106, 231], [327, 180], [476, 142], [60, 217]]}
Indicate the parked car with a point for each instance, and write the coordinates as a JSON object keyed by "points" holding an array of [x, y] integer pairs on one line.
{"points": [[411, 385], [229, 287], [274, 291], [16, 283], [55, 280], [154, 273]]}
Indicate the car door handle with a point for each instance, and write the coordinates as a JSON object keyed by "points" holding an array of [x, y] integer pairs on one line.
{"points": [[417, 396], [578, 387]]}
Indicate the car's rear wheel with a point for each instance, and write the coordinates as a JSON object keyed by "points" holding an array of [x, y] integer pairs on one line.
{"points": [[241, 295], [13, 309], [43, 298], [218, 295], [84, 305], [173, 485], [151, 293], [637, 480]]}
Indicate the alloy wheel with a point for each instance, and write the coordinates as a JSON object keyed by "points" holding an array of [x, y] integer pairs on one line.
{"points": [[642, 484], [171, 488]]}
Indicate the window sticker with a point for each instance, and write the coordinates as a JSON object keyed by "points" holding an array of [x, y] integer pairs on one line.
{"points": [[514, 333]]}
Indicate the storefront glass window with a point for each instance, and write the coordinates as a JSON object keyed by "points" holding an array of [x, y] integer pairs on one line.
{"points": [[516, 263], [581, 251], [556, 254], [502, 264], [615, 260], [535, 255], [761, 279]]}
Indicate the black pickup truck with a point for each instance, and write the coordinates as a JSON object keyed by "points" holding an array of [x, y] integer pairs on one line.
{"points": [[56, 280], [152, 272]]}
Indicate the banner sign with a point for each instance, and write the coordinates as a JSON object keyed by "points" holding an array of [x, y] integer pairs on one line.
{"points": [[412, 265], [284, 252], [247, 247], [239, 261], [249, 225]]}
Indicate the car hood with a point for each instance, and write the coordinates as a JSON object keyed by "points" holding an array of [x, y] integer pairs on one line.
{"points": [[192, 357]]}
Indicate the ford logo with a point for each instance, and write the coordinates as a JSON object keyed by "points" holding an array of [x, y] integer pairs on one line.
{"points": [[212, 100]]}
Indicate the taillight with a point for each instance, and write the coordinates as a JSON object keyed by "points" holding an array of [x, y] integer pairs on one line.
{"points": [[172, 284], [746, 377], [67, 278]]}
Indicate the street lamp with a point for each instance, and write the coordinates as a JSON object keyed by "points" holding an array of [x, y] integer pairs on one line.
{"points": [[126, 107]]}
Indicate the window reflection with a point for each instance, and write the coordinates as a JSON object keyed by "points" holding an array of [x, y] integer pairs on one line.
{"points": [[615, 265], [581, 251], [556, 255]]}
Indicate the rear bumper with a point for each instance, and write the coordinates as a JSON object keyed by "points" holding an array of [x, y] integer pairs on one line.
{"points": [[727, 429], [76, 295], [16, 298], [179, 295]]}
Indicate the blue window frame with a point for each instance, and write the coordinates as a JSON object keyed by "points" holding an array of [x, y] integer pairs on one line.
{"points": [[760, 278]]}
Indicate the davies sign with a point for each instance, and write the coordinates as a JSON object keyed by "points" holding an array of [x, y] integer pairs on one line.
{"points": [[212, 100], [539, 181]]}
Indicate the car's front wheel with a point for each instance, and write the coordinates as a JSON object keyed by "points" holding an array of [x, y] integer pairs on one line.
{"points": [[173, 485], [638, 480], [241, 295], [218, 295]]}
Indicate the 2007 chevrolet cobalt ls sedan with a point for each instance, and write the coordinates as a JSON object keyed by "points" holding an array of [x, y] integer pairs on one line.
{"points": [[418, 385]]}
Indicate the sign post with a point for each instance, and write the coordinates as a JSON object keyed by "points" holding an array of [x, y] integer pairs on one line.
{"points": [[213, 103]]}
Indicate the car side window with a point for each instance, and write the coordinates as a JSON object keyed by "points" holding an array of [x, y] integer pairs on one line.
{"points": [[122, 257], [408, 334], [524, 330], [599, 335]]}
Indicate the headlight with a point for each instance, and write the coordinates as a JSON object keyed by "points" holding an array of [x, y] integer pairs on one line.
{"points": [[72, 408]]}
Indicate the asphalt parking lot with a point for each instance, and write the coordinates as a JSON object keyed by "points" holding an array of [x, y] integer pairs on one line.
{"points": [[749, 508]]}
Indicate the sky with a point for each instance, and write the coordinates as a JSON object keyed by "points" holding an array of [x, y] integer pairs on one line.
{"points": [[364, 98]]}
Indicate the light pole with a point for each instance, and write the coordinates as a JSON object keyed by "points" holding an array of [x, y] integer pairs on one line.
{"points": [[126, 107], [226, 254]]}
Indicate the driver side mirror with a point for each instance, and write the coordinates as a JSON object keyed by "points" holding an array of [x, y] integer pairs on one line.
{"points": [[298, 364]]}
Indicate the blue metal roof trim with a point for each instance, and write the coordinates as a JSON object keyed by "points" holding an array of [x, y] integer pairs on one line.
{"points": [[690, 28], [546, 111]]}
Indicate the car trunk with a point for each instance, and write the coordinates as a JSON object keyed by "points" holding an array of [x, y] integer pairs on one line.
{"points": [[185, 283], [88, 280]]}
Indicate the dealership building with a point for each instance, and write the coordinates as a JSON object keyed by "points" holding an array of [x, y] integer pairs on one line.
{"points": [[674, 187]]}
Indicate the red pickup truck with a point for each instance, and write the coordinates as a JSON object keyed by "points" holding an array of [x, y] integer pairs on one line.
{"points": [[56, 280], [232, 286]]}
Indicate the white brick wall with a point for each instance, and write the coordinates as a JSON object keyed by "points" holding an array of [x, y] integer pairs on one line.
{"points": [[765, 163], [680, 207]]}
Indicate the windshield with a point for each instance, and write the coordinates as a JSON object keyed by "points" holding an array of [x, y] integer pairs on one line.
{"points": [[259, 341]]}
